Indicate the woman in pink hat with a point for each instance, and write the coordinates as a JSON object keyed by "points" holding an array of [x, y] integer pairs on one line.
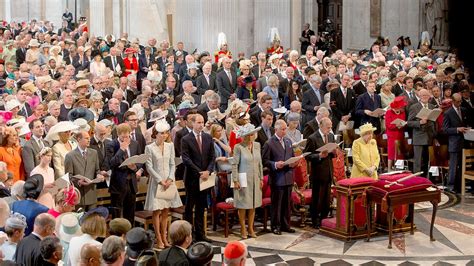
{"points": [[395, 131]]}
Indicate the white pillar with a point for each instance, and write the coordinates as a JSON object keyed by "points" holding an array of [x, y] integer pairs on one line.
{"points": [[96, 18]]}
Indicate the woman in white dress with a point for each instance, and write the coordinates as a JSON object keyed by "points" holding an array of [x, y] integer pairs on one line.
{"points": [[161, 167], [155, 75], [61, 130], [97, 67], [45, 156]]}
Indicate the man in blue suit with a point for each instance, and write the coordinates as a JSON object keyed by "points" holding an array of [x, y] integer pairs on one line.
{"points": [[123, 180], [366, 104], [275, 152], [455, 123]]}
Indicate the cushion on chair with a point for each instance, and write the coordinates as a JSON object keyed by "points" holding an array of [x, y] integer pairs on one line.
{"points": [[356, 182], [266, 201], [307, 194], [144, 214], [329, 223], [224, 206], [266, 190], [295, 198], [300, 173]]}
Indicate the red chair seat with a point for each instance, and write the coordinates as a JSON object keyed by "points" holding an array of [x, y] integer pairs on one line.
{"points": [[356, 182], [329, 223], [224, 206], [266, 202], [144, 214], [416, 183], [307, 193]]}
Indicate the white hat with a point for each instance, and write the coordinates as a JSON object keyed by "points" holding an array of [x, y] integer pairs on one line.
{"points": [[106, 122], [281, 110], [215, 115], [12, 104], [33, 43], [62, 126], [162, 126], [247, 129], [82, 124], [158, 114], [221, 40], [68, 226]]}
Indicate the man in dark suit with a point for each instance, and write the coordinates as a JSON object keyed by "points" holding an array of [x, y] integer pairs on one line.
{"points": [[265, 104], [321, 171], [285, 82], [99, 143], [28, 251], [33, 146], [123, 181], [144, 63], [188, 89], [80, 61], [25, 109], [361, 86], [366, 104], [424, 131], [85, 162], [313, 125], [197, 152], [275, 152], [162, 59], [115, 62], [226, 82], [177, 141], [207, 80], [212, 103], [131, 119], [455, 123], [344, 99], [267, 130], [313, 97], [398, 88], [180, 235], [20, 53]]}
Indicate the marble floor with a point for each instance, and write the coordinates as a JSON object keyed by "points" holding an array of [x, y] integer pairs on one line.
{"points": [[454, 245]]}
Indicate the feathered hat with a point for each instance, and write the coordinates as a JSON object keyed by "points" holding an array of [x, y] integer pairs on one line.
{"points": [[273, 35], [221, 40]]}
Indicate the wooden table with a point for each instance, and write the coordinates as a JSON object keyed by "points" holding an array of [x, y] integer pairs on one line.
{"points": [[394, 200]]}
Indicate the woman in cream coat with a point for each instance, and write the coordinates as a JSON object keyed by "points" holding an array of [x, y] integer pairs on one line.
{"points": [[365, 153], [161, 167], [248, 160], [63, 146]]}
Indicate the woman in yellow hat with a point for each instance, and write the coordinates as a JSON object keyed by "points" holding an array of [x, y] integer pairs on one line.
{"points": [[365, 153]]}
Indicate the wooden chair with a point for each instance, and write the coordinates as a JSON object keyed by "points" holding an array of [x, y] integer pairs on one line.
{"points": [[301, 196], [339, 173], [405, 150], [143, 217], [103, 197], [467, 171], [219, 205], [383, 150], [266, 201], [439, 157]]}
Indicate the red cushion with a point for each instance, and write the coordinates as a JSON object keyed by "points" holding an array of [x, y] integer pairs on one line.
{"points": [[307, 194], [416, 183], [266, 190], [266, 201], [394, 176], [356, 182], [300, 173], [329, 223], [224, 206]]}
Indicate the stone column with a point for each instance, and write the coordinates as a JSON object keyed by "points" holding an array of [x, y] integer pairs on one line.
{"points": [[96, 18], [296, 23], [108, 15]]}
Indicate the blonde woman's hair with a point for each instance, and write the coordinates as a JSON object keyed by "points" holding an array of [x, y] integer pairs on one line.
{"points": [[94, 225]]}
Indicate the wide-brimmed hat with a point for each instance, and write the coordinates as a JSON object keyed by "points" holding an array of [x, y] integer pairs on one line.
{"points": [[83, 74], [398, 102], [62, 126], [247, 129], [33, 186], [82, 83], [80, 112], [29, 86], [45, 79], [162, 126], [16, 221], [215, 115], [138, 240], [366, 128], [33, 43], [200, 253], [129, 50], [159, 100], [55, 48], [106, 122], [9, 43], [82, 101], [186, 105], [102, 211], [119, 226], [67, 226], [446, 103], [45, 45], [12, 104], [82, 125], [158, 114]]}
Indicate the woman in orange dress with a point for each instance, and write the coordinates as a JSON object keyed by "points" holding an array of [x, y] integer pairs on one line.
{"points": [[10, 153]]}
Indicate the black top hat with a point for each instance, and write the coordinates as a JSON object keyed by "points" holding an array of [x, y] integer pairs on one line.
{"points": [[33, 187], [138, 240], [201, 253]]}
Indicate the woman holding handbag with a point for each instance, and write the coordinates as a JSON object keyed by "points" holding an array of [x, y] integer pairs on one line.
{"points": [[162, 193]]}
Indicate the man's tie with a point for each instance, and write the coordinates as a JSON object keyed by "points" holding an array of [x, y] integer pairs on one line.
{"points": [[325, 139], [207, 79], [458, 110], [133, 135], [199, 141], [40, 144], [344, 92], [101, 148], [318, 94], [282, 142], [229, 76], [372, 97], [113, 62], [84, 155]]}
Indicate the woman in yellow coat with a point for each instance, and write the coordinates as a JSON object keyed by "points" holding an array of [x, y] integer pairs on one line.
{"points": [[365, 153]]}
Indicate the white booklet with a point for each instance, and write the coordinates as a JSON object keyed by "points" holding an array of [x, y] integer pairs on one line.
{"points": [[345, 126], [469, 135], [242, 180], [429, 114], [59, 184], [301, 143], [329, 147], [136, 159], [209, 182], [399, 122]]}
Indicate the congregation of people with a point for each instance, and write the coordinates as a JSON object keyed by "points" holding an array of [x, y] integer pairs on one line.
{"points": [[75, 107]]}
